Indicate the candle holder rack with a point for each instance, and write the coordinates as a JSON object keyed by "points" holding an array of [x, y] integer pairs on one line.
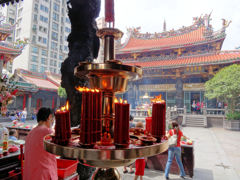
{"points": [[109, 77], [105, 158]]}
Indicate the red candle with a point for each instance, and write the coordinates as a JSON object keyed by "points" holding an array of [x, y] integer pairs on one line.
{"points": [[90, 127], [121, 125], [97, 115], [62, 126], [158, 119], [149, 124], [109, 10]]}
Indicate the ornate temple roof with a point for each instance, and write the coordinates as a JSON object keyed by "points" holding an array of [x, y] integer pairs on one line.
{"points": [[43, 81], [223, 57], [200, 32]]}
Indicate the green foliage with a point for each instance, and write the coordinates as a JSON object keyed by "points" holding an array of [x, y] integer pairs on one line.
{"points": [[225, 86], [62, 92], [233, 116]]}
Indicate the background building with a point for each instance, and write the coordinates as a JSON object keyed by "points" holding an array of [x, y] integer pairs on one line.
{"points": [[46, 25], [176, 63]]}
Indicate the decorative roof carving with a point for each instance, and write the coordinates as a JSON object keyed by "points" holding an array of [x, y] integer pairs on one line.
{"points": [[197, 23]]}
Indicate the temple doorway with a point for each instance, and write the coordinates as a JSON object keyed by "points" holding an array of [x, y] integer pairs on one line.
{"points": [[190, 96]]}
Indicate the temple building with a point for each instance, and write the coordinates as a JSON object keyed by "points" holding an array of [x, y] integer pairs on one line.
{"points": [[176, 63], [36, 90]]}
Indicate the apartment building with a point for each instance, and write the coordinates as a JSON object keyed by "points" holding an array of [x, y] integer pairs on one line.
{"points": [[46, 25]]}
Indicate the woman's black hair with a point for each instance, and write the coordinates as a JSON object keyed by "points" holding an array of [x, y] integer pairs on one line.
{"points": [[43, 114], [12, 132]]}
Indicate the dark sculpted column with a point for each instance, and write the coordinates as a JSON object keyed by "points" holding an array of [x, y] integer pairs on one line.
{"points": [[83, 46]]}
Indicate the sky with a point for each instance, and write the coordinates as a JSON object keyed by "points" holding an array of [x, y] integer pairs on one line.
{"points": [[150, 15]]}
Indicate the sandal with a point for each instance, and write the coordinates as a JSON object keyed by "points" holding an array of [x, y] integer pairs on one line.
{"points": [[126, 171]]}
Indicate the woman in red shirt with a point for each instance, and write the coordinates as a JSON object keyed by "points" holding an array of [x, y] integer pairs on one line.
{"points": [[175, 151]]}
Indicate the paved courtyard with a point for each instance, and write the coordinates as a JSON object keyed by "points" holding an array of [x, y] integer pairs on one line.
{"points": [[217, 155]]}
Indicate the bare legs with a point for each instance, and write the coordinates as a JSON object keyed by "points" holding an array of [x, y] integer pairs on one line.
{"points": [[136, 177]]}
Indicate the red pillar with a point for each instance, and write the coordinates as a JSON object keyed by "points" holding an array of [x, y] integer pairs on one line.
{"points": [[24, 101], [39, 104], [53, 102]]}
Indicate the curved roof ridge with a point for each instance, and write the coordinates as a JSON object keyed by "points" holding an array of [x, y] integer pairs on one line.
{"points": [[188, 38], [167, 34]]}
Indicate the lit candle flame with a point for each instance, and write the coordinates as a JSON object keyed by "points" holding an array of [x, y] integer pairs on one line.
{"points": [[125, 102], [115, 100], [67, 106], [121, 100], [157, 99], [64, 108], [85, 89]]}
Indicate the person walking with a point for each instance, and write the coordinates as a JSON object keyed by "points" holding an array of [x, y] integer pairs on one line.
{"points": [[175, 151], [38, 163], [193, 106]]}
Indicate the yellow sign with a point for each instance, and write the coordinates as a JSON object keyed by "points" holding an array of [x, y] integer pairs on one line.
{"points": [[193, 86], [157, 87]]}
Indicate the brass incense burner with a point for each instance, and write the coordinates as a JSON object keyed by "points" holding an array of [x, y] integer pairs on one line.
{"points": [[111, 76]]}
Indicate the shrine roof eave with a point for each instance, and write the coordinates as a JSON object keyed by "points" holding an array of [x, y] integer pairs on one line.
{"points": [[193, 64], [15, 54], [6, 31], [34, 89], [9, 50], [24, 86], [198, 43], [27, 89]]}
